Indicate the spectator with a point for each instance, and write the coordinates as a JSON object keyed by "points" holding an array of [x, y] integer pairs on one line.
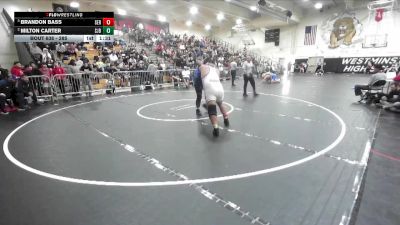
{"points": [[61, 49], [380, 75], [36, 51], [46, 57], [4, 77], [16, 70], [48, 73], [3, 103], [74, 79], [23, 89], [113, 57], [86, 70], [59, 76], [84, 59]]}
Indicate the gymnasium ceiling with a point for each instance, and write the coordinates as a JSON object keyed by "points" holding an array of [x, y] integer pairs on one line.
{"points": [[273, 14]]}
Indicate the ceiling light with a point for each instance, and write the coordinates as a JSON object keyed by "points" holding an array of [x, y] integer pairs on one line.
{"points": [[227, 0], [207, 27], [121, 12], [239, 21], [189, 23], [194, 10], [74, 4], [318, 5], [253, 8], [220, 16], [151, 2], [162, 18]]}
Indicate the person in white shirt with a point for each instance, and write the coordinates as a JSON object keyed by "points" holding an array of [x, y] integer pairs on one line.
{"points": [[46, 56], [214, 93], [113, 57], [248, 76], [233, 67]]}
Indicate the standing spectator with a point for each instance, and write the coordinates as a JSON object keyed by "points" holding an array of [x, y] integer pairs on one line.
{"points": [[86, 70], [47, 72], [59, 76], [74, 78], [248, 76]]}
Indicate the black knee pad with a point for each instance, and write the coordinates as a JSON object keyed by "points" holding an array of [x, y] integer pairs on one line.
{"points": [[212, 110]]}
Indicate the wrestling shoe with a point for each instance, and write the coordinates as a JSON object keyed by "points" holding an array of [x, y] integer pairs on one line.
{"points": [[216, 132], [198, 113], [226, 122]]}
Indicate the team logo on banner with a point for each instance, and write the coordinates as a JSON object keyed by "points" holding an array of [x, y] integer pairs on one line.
{"points": [[379, 15], [342, 30]]}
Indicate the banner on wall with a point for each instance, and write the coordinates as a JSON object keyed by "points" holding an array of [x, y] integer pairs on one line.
{"points": [[356, 64], [126, 22]]}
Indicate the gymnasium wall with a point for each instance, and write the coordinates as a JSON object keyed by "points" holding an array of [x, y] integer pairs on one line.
{"points": [[292, 37]]}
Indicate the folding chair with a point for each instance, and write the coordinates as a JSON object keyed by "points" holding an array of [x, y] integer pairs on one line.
{"points": [[373, 89]]}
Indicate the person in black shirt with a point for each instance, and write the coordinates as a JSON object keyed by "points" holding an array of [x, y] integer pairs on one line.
{"points": [[87, 70], [84, 59], [23, 89]]}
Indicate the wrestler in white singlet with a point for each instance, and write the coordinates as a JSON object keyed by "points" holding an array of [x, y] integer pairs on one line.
{"points": [[212, 86]]}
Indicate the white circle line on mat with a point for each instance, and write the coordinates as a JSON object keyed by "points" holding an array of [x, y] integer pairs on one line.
{"points": [[139, 112], [171, 183]]}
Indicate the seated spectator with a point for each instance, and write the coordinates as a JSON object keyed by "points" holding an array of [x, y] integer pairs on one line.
{"points": [[16, 70], [113, 57], [84, 59], [79, 62], [391, 101], [3, 103], [36, 51], [4, 76], [380, 75], [370, 67], [71, 50], [319, 71], [61, 49], [24, 89]]}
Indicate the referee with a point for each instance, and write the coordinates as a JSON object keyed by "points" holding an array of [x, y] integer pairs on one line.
{"points": [[233, 67], [198, 86], [248, 76]]}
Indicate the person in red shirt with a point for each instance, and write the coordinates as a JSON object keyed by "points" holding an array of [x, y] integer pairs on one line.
{"points": [[47, 73], [59, 77], [16, 70]]}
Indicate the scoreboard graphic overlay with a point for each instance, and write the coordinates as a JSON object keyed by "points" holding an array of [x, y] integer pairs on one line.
{"points": [[64, 27]]}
